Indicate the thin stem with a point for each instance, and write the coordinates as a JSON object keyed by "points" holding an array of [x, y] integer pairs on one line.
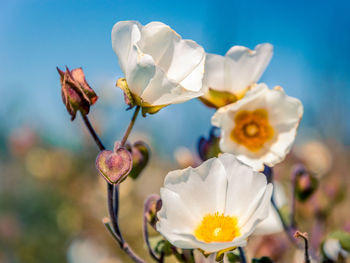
{"points": [[287, 229], [92, 132], [145, 229], [131, 125], [113, 195], [112, 212], [242, 255], [293, 207], [304, 236]]}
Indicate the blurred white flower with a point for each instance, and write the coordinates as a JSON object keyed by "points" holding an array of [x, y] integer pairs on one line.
{"points": [[86, 251], [260, 128], [160, 67], [272, 223], [228, 77], [213, 207], [316, 156], [333, 250]]}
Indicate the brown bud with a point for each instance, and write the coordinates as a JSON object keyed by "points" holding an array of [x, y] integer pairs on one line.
{"points": [[114, 166], [76, 92]]}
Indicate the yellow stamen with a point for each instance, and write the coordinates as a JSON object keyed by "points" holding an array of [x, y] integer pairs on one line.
{"points": [[252, 129], [217, 228]]}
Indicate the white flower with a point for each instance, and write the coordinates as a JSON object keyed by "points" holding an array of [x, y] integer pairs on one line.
{"points": [[272, 224], [213, 207], [228, 77], [260, 128], [332, 249], [160, 67]]}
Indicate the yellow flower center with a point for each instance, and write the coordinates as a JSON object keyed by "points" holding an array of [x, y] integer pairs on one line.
{"points": [[217, 228], [252, 129]]}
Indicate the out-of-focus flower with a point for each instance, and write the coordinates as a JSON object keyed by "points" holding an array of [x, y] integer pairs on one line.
{"points": [[316, 157], [227, 78], [272, 246], [76, 92], [333, 250], [260, 128], [185, 158], [114, 165], [160, 67], [209, 148], [272, 223], [215, 206], [86, 251]]}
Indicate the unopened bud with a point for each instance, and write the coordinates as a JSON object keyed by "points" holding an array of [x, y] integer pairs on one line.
{"points": [[152, 205], [208, 148], [115, 165], [140, 157], [77, 95], [306, 184]]}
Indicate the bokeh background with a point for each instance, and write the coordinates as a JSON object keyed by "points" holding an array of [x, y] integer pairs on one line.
{"points": [[51, 199]]}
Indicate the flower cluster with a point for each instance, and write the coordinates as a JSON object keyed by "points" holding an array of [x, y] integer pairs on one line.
{"points": [[203, 213]]}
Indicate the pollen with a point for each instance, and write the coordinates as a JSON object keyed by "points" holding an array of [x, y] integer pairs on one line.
{"points": [[252, 129], [217, 228]]}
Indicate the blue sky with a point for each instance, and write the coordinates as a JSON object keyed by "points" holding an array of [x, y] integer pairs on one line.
{"points": [[311, 60]]}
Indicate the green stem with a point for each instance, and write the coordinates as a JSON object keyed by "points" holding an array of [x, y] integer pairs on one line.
{"points": [[131, 125]]}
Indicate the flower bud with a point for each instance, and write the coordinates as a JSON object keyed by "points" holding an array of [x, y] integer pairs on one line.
{"points": [[140, 157], [76, 92], [306, 184], [152, 205], [115, 165], [209, 148]]}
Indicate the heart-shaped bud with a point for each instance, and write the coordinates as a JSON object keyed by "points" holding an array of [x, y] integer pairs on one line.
{"points": [[208, 148], [114, 166], [140, 157]]}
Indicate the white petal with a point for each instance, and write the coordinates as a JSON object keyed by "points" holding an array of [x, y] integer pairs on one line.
{"points": [[139, 68], [245, 190], [177, 57], [124, 35], [205, 185], [214, 76], [244, 67], [260, 213], [271, 225]]}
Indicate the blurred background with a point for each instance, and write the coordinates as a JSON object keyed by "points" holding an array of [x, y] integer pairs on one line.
{"points": [[51, 199]]}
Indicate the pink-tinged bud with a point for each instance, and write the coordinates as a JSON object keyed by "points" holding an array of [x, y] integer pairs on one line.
{"points": [[114, 166], [152, 205], [208, 148], [76, 92]]}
